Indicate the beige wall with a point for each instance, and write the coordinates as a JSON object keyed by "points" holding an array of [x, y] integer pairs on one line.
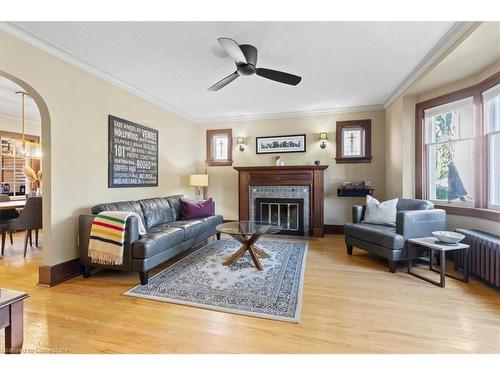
{"points": [[13, 124], [79, 104], [400, 140], [224, 180]]}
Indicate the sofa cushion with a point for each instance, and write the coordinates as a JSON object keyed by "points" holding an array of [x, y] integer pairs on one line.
{"points": [[381, 235], [129, 206], [156, 211], [212, 221], [383, 213], [175, 204], [157, 240], [192, 228], [196, 209]]}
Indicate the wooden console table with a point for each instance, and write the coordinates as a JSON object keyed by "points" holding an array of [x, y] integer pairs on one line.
{"points": [[11, 318]]}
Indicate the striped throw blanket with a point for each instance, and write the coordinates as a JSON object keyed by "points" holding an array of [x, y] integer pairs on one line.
{"points": [[107, 237]]}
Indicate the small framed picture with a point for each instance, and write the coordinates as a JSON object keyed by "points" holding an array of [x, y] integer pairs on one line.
{"points": [[281, 144]]}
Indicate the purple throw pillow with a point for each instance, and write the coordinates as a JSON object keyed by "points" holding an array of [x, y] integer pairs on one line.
{"points": [[192, 210]]}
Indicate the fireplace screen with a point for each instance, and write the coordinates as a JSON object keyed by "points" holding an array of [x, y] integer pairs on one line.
{"points": [[288, 213]]}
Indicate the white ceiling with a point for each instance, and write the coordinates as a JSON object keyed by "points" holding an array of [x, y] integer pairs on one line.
{"points": [[342, 64], [479, 51], [10, 102]]}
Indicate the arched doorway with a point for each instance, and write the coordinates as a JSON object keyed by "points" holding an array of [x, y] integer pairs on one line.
{"points": [[45, 157]]}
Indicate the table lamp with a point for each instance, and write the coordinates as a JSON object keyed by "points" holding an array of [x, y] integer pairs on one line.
{"points": [[200, 181]]}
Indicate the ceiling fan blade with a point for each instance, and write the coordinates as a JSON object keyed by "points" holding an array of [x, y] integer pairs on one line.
{"points": [[250, 53], [233, 50], [278, 76], [223, 82]]}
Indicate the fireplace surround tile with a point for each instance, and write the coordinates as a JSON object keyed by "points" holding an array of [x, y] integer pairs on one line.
{"points": [[281, 191]]}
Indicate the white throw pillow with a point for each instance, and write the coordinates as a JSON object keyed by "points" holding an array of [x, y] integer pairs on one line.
{"points": [[380, 213]]}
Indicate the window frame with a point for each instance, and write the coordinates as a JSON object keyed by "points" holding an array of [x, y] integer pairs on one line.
{"points": [[209, 157], [367, 141], [481, 159]]}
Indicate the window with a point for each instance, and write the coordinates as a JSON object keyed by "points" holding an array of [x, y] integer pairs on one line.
{"points": [[491, 102], [219, 147], [449, 143], [353, 141], [458, 150], [12, 161]]}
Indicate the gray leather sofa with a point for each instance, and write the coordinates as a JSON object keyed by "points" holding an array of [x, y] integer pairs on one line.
{"points": [[415, 218], [167, 234]]}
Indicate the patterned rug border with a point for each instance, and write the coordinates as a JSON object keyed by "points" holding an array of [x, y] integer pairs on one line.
{"points": [[130, 293]]}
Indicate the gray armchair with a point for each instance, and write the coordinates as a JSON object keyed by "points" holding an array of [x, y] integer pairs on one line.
{"points": [[30, 219], [415, 218]]}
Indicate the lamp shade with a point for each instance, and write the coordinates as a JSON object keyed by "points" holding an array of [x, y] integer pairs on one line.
{"points": [[323, 136], [240, 141], [198, 180]]}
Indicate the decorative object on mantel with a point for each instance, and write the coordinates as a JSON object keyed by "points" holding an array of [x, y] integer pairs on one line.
{"points": [[317, 162], [323, 137], [355, 189], [132, 154], [200, 182], [280, 144], [201, 280], [279, 162], [240, 142]]}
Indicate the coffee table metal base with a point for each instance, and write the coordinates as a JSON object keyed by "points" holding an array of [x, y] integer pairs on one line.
{"points": [[248, 244]]}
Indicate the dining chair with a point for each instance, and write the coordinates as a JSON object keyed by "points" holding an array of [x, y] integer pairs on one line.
{"points": [[30, 219], [6, 216]]}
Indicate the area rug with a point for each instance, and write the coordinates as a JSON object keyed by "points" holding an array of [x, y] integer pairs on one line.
{"points": [[201, 280]]}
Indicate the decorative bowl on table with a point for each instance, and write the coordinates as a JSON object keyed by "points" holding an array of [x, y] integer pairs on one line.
{"points": [[448, 237]]}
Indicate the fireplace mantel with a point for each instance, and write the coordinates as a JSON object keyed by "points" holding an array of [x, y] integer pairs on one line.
{"points": [[306, 175]]}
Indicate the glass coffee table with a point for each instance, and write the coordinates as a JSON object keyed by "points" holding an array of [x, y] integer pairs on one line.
{"points": [[247, 233]]}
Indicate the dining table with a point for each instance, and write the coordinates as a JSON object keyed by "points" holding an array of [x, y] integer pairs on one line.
{"points": [[9, 205]]}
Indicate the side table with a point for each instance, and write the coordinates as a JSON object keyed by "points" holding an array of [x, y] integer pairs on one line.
{"points": [[441, 248]]}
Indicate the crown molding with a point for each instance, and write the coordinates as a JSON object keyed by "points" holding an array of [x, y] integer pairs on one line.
{"points": [[61, 53], [295, 114], [456, 32]]}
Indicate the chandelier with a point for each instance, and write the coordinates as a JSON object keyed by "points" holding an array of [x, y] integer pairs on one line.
{"points": [[27, 148]]}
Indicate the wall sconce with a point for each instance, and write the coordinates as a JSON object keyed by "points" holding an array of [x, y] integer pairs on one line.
{"points": [[240, 141], [323, 137]]}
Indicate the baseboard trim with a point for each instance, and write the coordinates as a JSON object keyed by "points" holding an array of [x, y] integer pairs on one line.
{"points": [[53, 275], [334, 229]]}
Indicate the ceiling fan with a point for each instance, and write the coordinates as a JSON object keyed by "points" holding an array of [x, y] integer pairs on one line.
{"points": [[245, 57]]}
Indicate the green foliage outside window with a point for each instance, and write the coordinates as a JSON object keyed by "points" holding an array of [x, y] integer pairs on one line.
{"points": [[445, 153]]}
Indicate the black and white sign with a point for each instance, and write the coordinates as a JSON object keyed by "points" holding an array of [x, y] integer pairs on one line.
{"points": [[133, 154], [281, 144]]}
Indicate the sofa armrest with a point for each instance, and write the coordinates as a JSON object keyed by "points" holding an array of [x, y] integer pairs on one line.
{"points": [[358, 213], [420, 223], [131, 235]]}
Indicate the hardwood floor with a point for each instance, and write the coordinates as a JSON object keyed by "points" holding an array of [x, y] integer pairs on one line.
{"points": [[350, 305]]}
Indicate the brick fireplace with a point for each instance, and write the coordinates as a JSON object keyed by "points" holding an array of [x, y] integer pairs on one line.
{"points": [[292, 196]]}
